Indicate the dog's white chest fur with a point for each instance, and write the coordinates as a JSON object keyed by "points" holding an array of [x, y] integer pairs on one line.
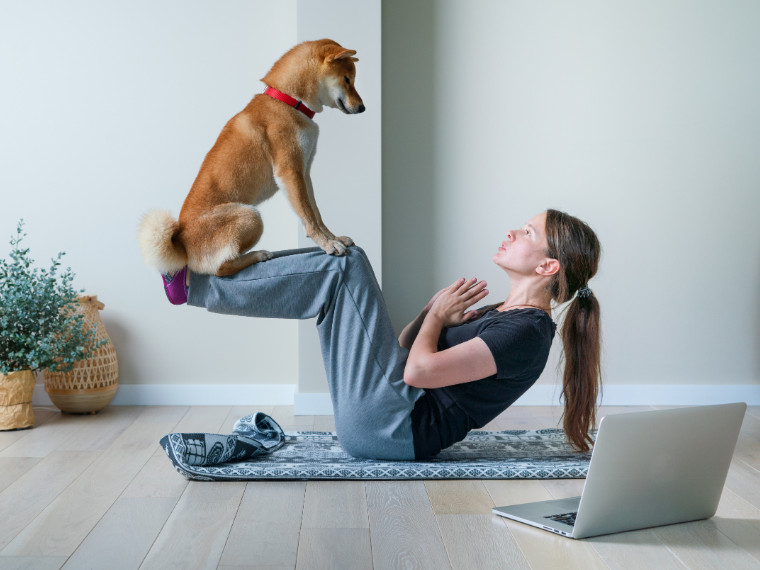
{"points": [[307, 140]]}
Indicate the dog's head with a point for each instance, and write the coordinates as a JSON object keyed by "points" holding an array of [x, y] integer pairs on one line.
{"points": [[336, 81]]}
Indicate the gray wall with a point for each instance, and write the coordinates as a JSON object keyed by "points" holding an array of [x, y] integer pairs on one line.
{"points": [[347, 173], [108, 109], [641, 118]]}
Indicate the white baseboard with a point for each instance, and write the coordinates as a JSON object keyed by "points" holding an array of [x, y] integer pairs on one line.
{"points": [[193, 395], [613, 395], [313, 404], [318, 404]]}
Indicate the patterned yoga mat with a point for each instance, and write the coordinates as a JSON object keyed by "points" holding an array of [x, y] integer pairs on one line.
{"points": [[259, 450]]}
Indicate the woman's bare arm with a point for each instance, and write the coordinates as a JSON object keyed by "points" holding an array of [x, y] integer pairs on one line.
{"points": [[407, 336], [472, 360]]}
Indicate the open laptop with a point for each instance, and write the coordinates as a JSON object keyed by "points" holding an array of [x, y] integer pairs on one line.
{"points": [[647, 469]]}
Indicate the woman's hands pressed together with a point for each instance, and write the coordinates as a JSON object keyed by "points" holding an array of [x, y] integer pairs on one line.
{"points": [[450, 304], [426, 366]]}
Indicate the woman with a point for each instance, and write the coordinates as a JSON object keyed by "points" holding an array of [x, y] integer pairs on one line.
{"points": [[452, 369]]}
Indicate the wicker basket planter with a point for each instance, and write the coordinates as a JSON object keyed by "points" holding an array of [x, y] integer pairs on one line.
{"points": [[92, 383], [16, 391]]}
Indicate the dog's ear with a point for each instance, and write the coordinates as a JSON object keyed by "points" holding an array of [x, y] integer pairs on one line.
{"points": [[341, 54]]}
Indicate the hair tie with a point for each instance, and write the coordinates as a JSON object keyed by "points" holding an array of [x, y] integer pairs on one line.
{"points": [[584, 292]]}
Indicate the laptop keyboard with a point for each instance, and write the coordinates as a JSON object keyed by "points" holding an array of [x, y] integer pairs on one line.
{"points": [[566, 518]]}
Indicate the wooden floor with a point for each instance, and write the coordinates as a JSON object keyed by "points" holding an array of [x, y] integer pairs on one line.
{"points": [[98, 492]]}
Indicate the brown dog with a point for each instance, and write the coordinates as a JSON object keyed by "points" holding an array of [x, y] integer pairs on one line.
{"points": [[268, 145]]}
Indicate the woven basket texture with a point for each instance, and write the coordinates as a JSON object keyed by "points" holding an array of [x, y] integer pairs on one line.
{"points": [[98, 373]]}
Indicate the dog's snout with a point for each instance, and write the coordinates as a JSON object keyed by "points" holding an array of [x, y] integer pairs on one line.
{"points": [[362, 108]]}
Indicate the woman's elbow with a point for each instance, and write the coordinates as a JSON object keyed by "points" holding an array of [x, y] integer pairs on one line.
{"points": [[415, 376], [410, 379]]}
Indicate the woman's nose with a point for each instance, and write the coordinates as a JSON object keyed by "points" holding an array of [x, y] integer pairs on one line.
{"points": [[510, 235]]}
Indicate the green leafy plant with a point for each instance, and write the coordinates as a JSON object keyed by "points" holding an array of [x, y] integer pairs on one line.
{"points": [[39, 323]]}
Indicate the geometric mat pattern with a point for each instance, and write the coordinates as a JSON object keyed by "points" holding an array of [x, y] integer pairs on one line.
{"points": [[304, 455]]}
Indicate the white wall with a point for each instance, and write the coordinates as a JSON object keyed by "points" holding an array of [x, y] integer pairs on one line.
{"points": [[347, 172], [106, 110], [640, 118], [109, 112]]}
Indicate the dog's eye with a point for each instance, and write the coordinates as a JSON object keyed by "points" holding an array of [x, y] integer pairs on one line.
{"points": [[347, 79]]}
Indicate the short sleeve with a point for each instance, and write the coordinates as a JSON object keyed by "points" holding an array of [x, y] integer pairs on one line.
{"points": [[518, 345]]}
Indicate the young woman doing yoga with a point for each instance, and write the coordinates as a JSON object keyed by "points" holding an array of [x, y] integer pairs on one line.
{"points": [[452, 369]]}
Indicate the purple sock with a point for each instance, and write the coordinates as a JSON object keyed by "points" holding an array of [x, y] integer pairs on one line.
{"points": [[174, 285]]}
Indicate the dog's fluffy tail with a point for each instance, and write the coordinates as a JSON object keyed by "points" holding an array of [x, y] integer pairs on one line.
{"points": [[158, 243]]}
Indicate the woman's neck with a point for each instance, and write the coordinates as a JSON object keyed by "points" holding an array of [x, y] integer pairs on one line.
{"points": [[528, 295]]}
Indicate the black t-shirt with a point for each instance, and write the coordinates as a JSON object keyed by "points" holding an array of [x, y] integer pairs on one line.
{"points": [[519, 340]]}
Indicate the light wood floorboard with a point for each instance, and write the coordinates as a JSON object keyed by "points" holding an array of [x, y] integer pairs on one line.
{"points": [[267, 526], [69, 518], [403, 526], [98, 492], [24, 500], [41, 417], [334, 549], [195, 534], [480, 541], [114, 545], [13, 468]]}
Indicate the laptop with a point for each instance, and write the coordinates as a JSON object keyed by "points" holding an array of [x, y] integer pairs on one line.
{"points": [[647, 469]]}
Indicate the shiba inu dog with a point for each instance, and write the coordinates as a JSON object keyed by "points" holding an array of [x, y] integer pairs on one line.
{"points": [[267, 146]]}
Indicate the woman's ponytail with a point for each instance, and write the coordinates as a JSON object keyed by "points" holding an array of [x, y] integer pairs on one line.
{"points": [[575, 245], [581, 340]]}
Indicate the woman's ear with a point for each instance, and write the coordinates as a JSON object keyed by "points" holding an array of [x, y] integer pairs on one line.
{"points": [[548, 267]]}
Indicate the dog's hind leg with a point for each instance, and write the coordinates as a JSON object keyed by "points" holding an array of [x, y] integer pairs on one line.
{"points": [[227, 232], [234, 265], [247, 227]]}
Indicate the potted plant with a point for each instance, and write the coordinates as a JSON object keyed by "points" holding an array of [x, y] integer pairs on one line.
{"points": [[39, 328]]}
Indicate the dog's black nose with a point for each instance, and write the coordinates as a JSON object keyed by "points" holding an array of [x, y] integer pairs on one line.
{"points": [[361, 109]]}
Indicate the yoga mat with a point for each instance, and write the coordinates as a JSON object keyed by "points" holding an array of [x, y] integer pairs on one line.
{"points": [[259, 450]]}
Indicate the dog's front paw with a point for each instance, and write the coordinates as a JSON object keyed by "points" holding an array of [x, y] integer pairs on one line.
{"points": [[345, 240], [334, 247]]}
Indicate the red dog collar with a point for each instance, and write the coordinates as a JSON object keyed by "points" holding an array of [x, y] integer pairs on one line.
{"points": [[296, 104]]}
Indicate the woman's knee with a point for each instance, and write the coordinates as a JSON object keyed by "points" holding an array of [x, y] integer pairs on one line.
{"points": [[351, 440], [358, 261], [358, 252], [351, 448], [366, 450], [362, 442]]}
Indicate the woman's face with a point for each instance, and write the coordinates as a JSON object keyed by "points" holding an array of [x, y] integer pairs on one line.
{"points": [[524, 250]]}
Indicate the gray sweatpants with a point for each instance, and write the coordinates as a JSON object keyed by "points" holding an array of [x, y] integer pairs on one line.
{"points": [[362, 357]]}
